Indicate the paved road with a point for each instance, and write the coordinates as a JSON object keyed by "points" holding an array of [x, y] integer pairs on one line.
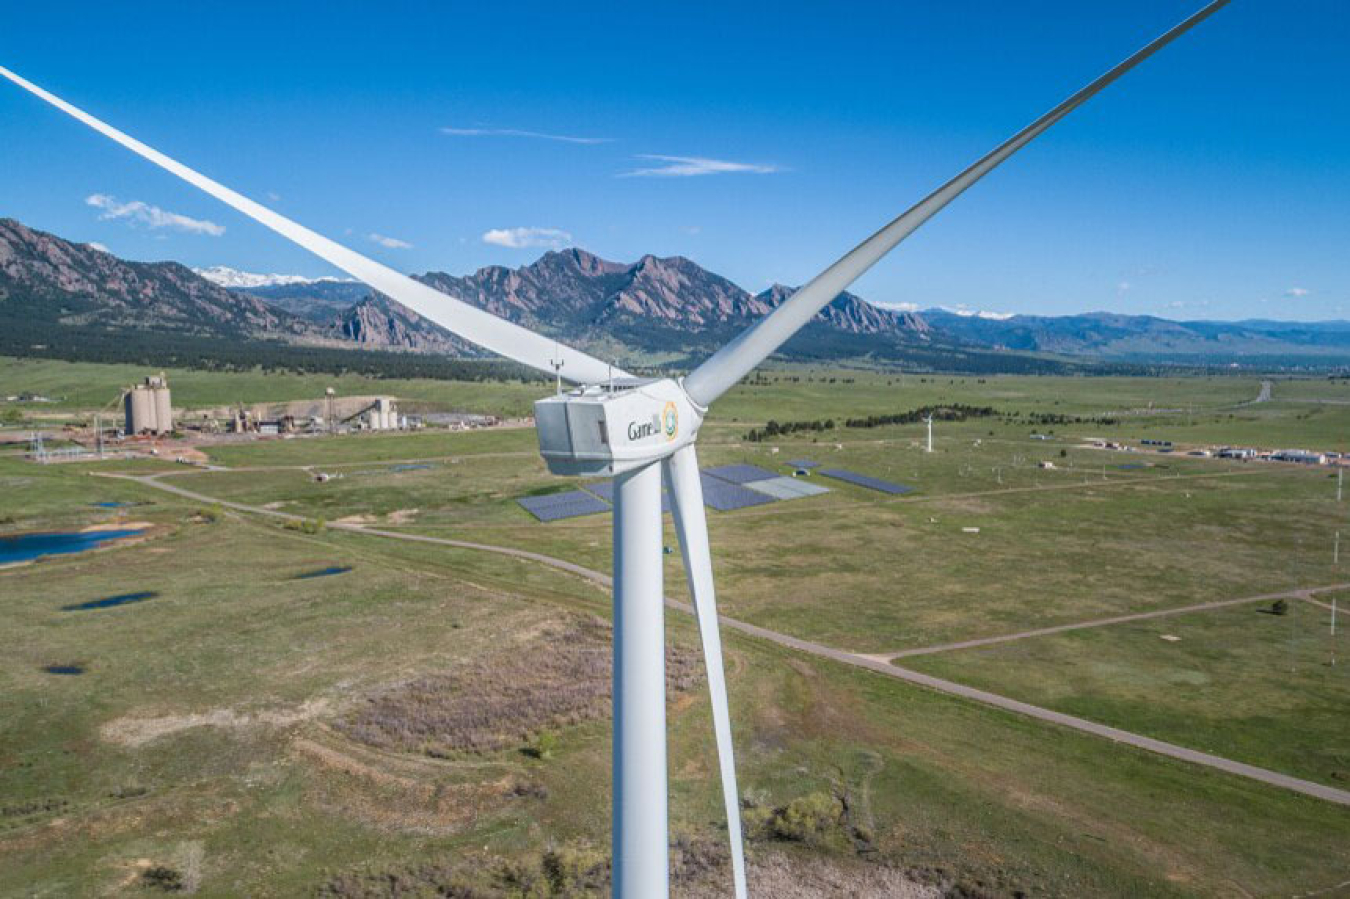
{"points": [[1305, 593], [1160, 747]]}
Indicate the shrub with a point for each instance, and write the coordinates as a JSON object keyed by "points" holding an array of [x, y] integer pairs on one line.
{"points": [[1279, 607], [544, 745], [163, 878], [807, 818]]}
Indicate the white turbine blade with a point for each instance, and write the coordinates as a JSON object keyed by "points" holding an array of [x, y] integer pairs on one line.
{"points": [[691, 524], [735, 360], [473, 324]]}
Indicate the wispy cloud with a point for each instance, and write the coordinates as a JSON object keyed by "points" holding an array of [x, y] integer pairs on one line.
{"points": [[520, 238], [1123, 288], [95, 245], [518, 132], [391, 243], [1297, 292], [139, 213], [693, 166]]}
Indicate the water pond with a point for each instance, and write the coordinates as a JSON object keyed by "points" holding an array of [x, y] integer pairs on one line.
{"points": [[24, 547], [324, 572]]}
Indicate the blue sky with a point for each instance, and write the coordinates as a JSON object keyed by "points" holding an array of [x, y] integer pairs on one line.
{"points": [[761, 141]]}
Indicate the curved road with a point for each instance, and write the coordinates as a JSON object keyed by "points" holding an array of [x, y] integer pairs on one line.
{"points": [[880, 666]]}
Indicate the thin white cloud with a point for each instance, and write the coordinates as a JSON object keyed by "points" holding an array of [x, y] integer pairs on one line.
{"points": [[897, 306], [693, 166], [95, 245], [517, 132], [139, 213], [390, 243], [1297, 292], [520, 238], [1123, 288]]}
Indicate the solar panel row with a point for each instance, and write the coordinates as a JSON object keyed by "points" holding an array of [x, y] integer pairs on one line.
{"points": [[787, 488], [863, 480], [724, 497], [555, 506], [803, 463], [605, 490], [725, 488], [739, 474]]}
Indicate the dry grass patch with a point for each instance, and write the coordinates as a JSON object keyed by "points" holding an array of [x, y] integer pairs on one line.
{"points": [[558, 676]]}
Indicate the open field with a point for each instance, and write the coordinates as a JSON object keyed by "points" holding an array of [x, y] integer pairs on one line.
{"points": [[212, 729], [1238, 682]]}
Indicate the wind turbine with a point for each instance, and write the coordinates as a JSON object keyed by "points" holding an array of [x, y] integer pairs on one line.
{"points": [[639, 431], [929, 420]]}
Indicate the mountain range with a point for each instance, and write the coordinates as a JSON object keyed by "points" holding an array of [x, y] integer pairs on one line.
{"points": [[656, 310]]}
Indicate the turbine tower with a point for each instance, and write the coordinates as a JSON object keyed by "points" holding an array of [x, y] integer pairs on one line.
{"points": [[641, 432], [929, 419]]}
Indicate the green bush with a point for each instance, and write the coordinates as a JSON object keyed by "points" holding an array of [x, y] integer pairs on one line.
{"points": [[162, 878], [544, 745], [1280, 607], [807, 818]]}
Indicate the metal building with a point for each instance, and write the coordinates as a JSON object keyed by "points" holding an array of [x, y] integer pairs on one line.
{"points": [[148, 407]]}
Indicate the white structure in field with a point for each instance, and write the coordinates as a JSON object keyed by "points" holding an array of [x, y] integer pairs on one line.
{"points": [[148, 408]]}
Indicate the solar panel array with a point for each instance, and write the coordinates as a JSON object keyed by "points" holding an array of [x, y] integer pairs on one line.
{"points": [[572, 504], [739, 474], [605, 490], [725, 487], [787, 488], [803, 463], [724, 496], [863, 480]]}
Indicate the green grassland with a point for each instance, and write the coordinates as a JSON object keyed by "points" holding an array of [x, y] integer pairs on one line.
{"points": [[110, 768], [1239, 682], [205, 732]]}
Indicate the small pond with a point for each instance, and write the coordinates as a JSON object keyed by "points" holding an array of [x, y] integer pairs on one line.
{"points": [[23, 547], [324, 572], [63, 669]]}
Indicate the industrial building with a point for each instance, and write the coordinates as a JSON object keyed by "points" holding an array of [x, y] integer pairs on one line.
{"points": [[148, 407]]}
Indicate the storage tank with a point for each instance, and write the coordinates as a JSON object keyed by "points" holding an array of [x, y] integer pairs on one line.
{"points": [[148, 407], [163, 410]]}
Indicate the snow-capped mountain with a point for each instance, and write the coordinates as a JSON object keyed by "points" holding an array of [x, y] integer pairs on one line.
{"points": [[234, 279]]}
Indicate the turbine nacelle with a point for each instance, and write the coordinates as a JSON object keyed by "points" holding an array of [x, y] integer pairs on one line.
{"points": [[601, 430]]}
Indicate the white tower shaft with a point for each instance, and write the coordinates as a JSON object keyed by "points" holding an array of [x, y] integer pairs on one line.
{"points": [[640, 843]]}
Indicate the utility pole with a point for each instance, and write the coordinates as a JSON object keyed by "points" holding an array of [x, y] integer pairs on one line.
{"points": [[1340, 482], [1336, 552]]}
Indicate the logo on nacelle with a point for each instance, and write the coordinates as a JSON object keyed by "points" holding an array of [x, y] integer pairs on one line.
{"points": [[667, 423], [670, 420]]}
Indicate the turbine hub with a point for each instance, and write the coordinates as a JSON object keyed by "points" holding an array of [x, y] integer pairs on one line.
{"points": [[602, 430]]}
